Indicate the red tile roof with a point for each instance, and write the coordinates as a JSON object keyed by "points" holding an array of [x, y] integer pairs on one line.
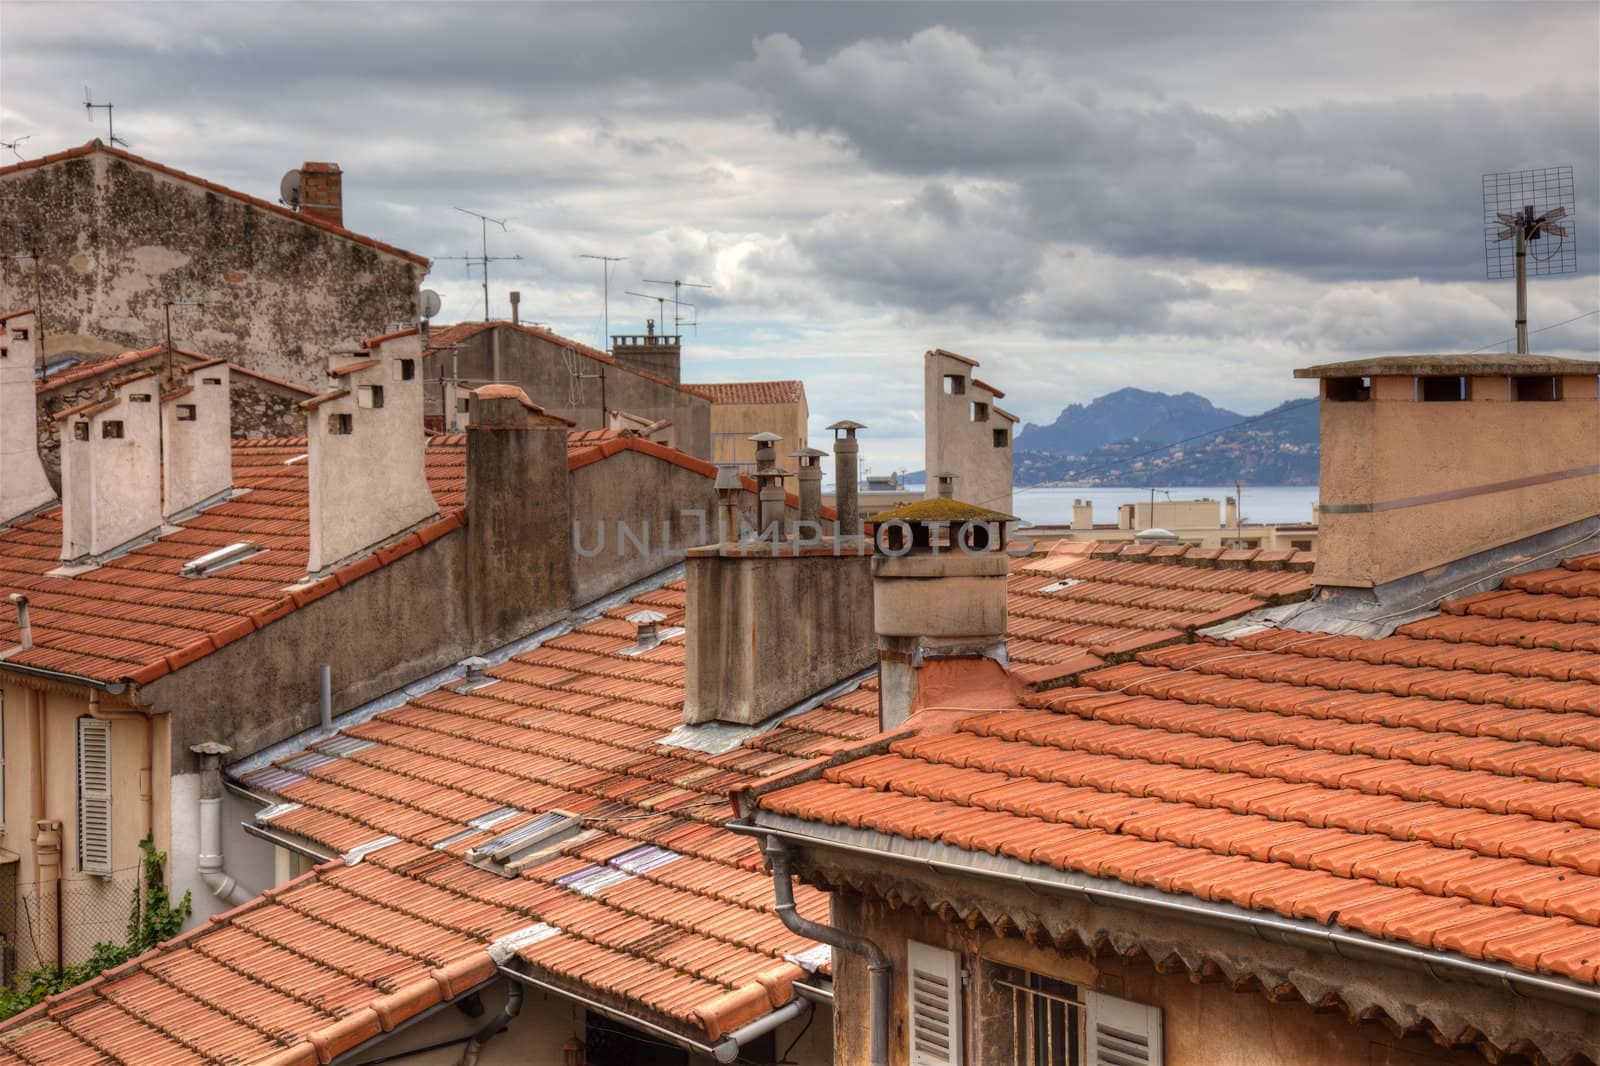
{"points": [[187, 361], [277, 209], [136, 619], [1439, 787], [756, 392]]}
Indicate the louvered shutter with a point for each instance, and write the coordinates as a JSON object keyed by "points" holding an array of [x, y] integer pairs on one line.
{"points": [[1121, 1032], [94, 796], [933, 983]]}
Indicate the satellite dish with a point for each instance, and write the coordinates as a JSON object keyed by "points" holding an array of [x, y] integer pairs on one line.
{"points": [[430, 303], [289, 189]]}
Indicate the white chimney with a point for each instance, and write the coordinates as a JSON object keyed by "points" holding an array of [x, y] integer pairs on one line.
{"points": [[111, 469], [23, 487], [366, 449], [196, 438]]}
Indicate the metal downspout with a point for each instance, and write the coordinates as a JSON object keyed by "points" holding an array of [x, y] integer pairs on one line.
{"points": [[209, 861], [879, 967], [513, 1007]]}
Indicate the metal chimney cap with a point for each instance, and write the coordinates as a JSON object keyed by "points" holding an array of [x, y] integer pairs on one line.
{"points": [[804, 452], [728, 476], [846, 423], [764, 438], [646, 617], [210, 747]]}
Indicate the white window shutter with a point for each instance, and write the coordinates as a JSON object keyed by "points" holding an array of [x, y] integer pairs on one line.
{"points": [[1122, 1032], [933, 984], [94, 796]]}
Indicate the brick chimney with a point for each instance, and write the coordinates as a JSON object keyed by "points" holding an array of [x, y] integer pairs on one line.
{"points": [[111, 469], [653, 353], [23, 486], [366, 450], [771, 620], [1429, 459], [196, 438], [519, 514], [322, 192], [939, 593]]}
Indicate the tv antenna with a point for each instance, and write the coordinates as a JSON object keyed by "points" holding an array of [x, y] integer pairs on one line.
{"points": [[605, 276], [661, 303], [678, 285], [169, 305], [483, 259], [89, 108], [11, 146], [1526, 207]]}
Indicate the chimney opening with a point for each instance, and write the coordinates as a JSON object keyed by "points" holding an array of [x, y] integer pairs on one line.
{"points": [[80, 430], [211, 381], [186, 412], [139, 397], [1441, 389], [1539, 389], [21, 334], [5, 353], [369, 396], [407, 369], [1347, 390], [110, 430], [980, 411], [340, 424], [1002, 437], [955, 385]]}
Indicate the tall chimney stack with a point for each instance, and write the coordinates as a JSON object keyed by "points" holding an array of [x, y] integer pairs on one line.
{"points": [[322, 192], [654, 353], [23, 484], [809, 478], [516, 307], [846, 477], [196, 438], [947, 485], [111, 469], [769, 480]]}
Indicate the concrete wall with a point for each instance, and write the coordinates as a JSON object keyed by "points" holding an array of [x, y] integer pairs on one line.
{"points": [[117, 240], [1406, 485], [955, 442], [24, 486], [739, 420], [541, 368]]}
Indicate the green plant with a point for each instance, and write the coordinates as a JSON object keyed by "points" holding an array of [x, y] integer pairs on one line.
{"points": [[151, 920]]}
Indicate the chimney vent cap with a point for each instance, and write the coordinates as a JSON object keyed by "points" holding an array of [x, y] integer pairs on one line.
{"points": [[845, 423], [643, 618], [815, 453], [728, 476], [764, 438]]}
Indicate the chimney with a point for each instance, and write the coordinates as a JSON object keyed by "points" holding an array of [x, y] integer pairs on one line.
{"points": [[24, 624], [519, 515], [196, 438], [366, 450], [321, 192], [1430, 459], [730, 503], [111, 469], [653, 353], [809, 478], [1230, 512], [846, 477], [457, 406], [769, 480], [24, 487], [1083, 514], [939, 593], [965, 432], [516, 307], [947, 485]]}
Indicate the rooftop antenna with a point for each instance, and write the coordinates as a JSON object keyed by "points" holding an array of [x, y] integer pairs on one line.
{"points": [[89, 107], [1525, 206], [169, 305], [677, 291], [11, 146], [483, 259], [661, 303], [605, 276]]}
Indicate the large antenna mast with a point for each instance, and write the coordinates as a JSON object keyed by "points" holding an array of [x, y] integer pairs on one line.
{"points": [[1525, 206], [605, 282], [483, 259], [11, 146], [678, 285], [89, 107]]}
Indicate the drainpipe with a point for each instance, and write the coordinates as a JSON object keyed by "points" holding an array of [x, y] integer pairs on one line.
{"points": [[326, 679], [878, 964], [146, 768], [210, 869], [474, 1048], [47, 855]]}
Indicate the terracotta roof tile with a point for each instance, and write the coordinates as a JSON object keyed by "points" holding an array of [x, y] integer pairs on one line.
{"points": [[751, 392]]}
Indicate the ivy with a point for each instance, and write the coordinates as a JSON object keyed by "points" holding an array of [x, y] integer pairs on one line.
{"points": [[151, 919]]}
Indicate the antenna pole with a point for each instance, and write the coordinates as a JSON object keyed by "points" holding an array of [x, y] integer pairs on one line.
{"points": [[1522, 280], [483, 259], [605, 285]]}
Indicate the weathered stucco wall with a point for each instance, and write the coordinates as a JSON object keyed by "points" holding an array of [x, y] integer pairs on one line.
{"points": [[733, 422], [958, 443], [116, 240], [541, 369]]}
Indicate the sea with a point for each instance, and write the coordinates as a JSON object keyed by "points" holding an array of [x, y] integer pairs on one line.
{"points": [[1052, 505]]}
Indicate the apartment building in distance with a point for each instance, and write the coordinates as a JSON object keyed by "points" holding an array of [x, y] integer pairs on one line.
{"points": [[740, 409]]}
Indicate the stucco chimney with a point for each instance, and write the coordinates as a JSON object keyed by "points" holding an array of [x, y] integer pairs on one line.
{"points": [[322, 192], [653, 353], [23, 486], [196, 438], [939, 592], [1230, 512], [966, 432], [947, 485], [1083, 514], [769, 481], [1429, 459], [366, 450], [846, 477], [809, 479], [111, 469]]}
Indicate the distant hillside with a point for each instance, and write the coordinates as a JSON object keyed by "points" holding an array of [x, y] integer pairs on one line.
{"points": [[1279, 447], [1127, 414]]}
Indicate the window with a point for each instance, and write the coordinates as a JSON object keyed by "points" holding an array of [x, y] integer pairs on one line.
{"points": [[1002, 437], [980, 411], [1050, 1022], [1347, 390], [406, 369], [94, 796], [20, 334], [186, 412], [1542, 389], [111, 430], [139, 397], [933, 990], [369, 396], [955, 385], [1441, 389], [1300, 545], [340, 424], [80, 430], [211, 381], [5, 353]]}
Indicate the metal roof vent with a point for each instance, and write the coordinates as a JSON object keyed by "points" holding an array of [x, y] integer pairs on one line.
{"points": [[650, 633], [1155, 535], [476, 676], [211, 562]]}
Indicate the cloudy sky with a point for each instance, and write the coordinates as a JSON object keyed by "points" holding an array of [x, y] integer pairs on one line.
{"points": [[1083, 196]]}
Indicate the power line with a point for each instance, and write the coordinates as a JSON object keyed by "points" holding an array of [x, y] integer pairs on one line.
{"points": [[1541, 329]]}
